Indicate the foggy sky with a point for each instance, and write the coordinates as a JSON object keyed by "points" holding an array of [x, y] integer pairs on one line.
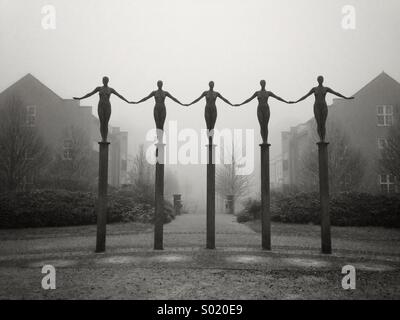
{"points": [[187, 43]]}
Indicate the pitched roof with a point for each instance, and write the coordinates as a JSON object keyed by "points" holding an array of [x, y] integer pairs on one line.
{"points": [[383, 76], [30, 78]]}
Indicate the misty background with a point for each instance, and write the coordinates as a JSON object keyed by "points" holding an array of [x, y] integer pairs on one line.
{"points": [[187, 43]]}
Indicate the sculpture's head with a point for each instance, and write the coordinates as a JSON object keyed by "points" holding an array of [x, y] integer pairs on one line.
{"points": [[320, 80], [159, 84], [211, 85], [263, 84], [105, 81]]}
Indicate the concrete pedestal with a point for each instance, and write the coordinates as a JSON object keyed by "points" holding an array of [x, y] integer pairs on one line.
{"points": [[265, 198], [101, 206], [211, 196], [326, 246], [159, 199]]}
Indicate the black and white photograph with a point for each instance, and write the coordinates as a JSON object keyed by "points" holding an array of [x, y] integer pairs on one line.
{"points": [[198, 155]]}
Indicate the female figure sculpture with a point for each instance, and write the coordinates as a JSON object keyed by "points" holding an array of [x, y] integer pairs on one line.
{"points": [[210, 112], [160, 111], [320, 106], [263, 112], [104, 106]]}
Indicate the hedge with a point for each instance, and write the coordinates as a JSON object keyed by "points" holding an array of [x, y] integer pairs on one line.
{"points": [[56, 208], [346, 209]]}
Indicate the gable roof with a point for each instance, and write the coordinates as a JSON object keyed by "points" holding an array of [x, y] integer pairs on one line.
{"points": [[382, 77], [30, 78]]}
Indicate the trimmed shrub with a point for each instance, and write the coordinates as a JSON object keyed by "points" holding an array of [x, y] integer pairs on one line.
{"points": [[56, 208], [346, 209], [244, 216]]}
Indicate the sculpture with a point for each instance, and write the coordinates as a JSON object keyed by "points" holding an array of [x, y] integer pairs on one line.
{"points": [[263, 112], [320, 106], [210, 112], [160, 111], [104, 106]]}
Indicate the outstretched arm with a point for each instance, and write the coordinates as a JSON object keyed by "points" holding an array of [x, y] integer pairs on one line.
{"points": [[89, 94], [198, 99], [223, 99], [173, 98], [118, 95], [246, 101], [338, 94], [306, 96], [144, 99], [277, 97]]}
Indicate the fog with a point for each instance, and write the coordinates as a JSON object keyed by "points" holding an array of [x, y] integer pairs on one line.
{"points": [[187, 43]]}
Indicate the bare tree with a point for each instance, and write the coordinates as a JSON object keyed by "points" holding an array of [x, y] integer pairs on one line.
{"points": [[345, 163], [74, 160], [228, 182], [23, 152], [141, 175], [390, 157]]}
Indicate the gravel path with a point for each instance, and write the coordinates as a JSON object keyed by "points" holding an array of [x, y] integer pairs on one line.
{"points": [[237, 269]]}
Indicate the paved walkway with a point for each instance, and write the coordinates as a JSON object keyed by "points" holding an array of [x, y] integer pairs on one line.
{"points": [[238, 268]]}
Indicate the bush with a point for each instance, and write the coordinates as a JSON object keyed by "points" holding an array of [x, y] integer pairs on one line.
{"points": [[244, 216], [346, 209], [56, 208]]}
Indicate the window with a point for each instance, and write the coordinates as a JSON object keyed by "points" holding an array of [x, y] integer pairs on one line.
{"points": [[385, 116], [387, 182], [382, 143], [30, 119], [67, 155]]}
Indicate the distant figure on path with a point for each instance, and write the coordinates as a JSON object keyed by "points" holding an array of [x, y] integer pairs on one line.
{"points": [[320, 106], [263, 112], [210, 112], [160, 112], [104, 106]]}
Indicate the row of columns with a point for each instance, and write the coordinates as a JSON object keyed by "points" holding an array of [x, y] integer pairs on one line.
{"points": [[101, 207]]}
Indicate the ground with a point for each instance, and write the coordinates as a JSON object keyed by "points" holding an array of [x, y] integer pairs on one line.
{"points": [[237, 269]]}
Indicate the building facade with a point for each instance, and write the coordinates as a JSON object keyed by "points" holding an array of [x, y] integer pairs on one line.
{"points": [[56, 119], [366, 121]]}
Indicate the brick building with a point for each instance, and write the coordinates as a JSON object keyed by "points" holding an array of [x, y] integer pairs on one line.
{"points": [[366, 121], [55, 118]]}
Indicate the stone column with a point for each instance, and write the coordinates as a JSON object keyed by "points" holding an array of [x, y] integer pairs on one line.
{"points": [[326, 245], [211, 196], [265, 198], [102, 197], [159, 199]]}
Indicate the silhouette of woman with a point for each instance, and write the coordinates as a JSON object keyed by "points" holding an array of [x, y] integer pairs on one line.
{"points": [[104, 106], [210, 112], [160, 112], [320, 106], [263, 112]]}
